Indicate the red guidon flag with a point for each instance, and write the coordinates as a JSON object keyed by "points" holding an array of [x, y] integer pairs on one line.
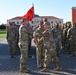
{"points": [[29, 14]]}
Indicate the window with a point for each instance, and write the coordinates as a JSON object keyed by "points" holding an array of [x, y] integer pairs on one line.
{"points": [[9, 22], [13, 22], [59, 21], [17, 22], [51, 21]]}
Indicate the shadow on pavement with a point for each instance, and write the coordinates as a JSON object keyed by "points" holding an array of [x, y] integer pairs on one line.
{"points": [[12, 64], [4, 49]]}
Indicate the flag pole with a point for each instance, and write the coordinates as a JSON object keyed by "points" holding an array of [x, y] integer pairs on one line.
{"points": [[32, 4]]}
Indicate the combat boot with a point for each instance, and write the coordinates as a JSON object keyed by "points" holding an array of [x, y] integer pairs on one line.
{"points": [[24, 70], [58, 69], [44, 70]]}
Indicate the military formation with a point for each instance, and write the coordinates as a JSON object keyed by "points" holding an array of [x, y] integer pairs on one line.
{"points": [[69, 39], [12, 39], [49, 41]]}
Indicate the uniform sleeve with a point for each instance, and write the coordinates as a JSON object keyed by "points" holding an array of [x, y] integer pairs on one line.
{"points": [[30, 33]]}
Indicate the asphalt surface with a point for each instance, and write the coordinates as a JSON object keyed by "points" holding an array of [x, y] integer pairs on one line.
{"points": [[10, 66]]}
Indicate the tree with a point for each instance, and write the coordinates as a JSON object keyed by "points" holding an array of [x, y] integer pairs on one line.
{"points": [[2, 26], [69, 22]]}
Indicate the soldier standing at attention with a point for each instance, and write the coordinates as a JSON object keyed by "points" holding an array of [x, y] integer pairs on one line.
{"points": [[45, 20], [65, 39], [11, 39], [39, 45], [72, 39], [58, 33], [24, 33], [17, 40], [49, 48]]}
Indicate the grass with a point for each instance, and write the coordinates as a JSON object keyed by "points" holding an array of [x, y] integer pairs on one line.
{"points": [[2, 33]]}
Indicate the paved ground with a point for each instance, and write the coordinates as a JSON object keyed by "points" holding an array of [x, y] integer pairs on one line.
{"points": [[10, 66]]}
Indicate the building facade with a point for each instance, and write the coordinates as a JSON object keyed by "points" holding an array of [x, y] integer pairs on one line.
{"points": [[36, 20], [73, 14]]}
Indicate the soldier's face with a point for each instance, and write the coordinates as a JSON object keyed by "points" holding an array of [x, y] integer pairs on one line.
{"points": [[26, 22]]}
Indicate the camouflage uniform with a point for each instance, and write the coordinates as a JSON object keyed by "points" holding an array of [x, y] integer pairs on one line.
{"points": [[11, 38], [72, 40], [39, 49], [65, 39], [57, 33], [17, 38], [49, 47], [24, 33], [30, 38]]}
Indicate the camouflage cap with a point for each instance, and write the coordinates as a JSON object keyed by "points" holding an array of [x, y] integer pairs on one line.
{"points": [[24, 19]]}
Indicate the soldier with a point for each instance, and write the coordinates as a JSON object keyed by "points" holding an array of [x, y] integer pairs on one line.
{"points": [[11, 39], [49, 47], [58, 33], [30, 38], [17, 38], [24, 32], [65, 38], [39, 45], [72, 39], [17, 47], [45, 20]]}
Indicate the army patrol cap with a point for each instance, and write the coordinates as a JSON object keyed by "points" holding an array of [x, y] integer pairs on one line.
{"points": [[24, 19]]}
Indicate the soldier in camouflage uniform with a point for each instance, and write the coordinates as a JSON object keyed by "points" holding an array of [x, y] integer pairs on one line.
{"points": [[39, 45], [46, 20], [17, 31], [30, 39], [24, 32], [65, 38], [58, 33], [72, 39], [49, 47], [11, 39]]}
